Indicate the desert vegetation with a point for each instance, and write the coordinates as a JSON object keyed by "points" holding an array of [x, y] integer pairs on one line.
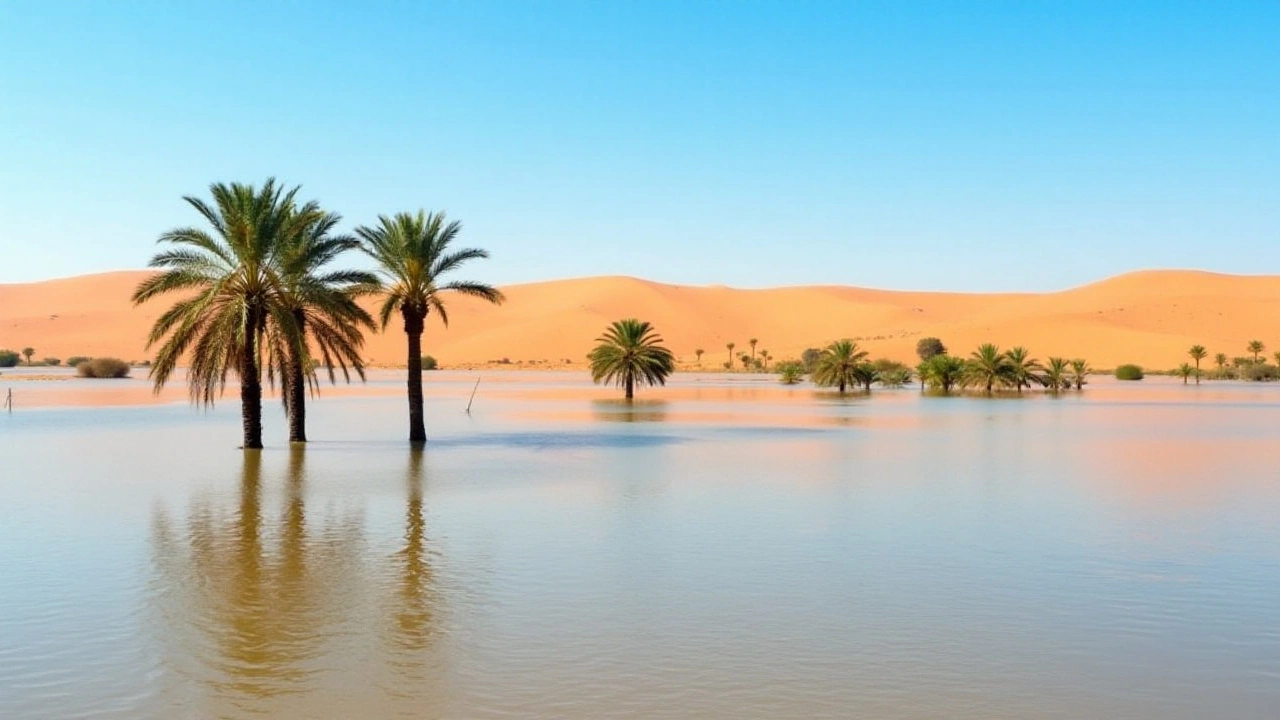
{"points": [[1129, 372], [103, 368], [630, 353]]}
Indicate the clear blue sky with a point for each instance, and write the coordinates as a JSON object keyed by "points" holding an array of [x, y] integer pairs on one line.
{"points": [[930, 145]]}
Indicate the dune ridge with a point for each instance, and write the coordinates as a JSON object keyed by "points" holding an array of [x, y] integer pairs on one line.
{"points": [[1148, 317]]}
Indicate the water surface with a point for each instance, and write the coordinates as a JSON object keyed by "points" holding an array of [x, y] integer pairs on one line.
{"points": [[725, 548]]}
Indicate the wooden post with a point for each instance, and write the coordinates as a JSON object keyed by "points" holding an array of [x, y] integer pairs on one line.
{"points": [[473, 395], [8, 401]]}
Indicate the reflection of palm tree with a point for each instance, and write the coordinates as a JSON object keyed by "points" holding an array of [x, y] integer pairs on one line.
{"points": [[414, 620]]}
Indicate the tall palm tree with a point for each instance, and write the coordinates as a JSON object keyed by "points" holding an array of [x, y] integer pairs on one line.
{"points": [[730, 346], [232, 289], [1256, 347], [987, 367], [1198, 353], [1221, 361], [752, 342], [1023, 368], [942, 372], [764, 359], [1055, 374], [837, 365], [1079, 373], [324, 310], [28, 352], [414, 255], [1185, 370], [631, 352], [698, 353]]}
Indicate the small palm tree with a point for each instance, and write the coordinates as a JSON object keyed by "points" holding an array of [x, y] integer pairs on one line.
{"points": [[941, 372], [988, 367], [790, 373], [837, 365], [866, 374], [730, 346], [1197, 353], [630, 352], [413, 253], [764, 360], [1186, 371], [1221, 361], [1256, 347], [752, 342], [325, 314], [28, 352], [1079, 373], [1023, 369], [1055, 375], [698, 353], [231, 288]]}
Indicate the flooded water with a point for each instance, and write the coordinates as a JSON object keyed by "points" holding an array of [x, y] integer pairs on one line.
{"points": [[723, 549]]}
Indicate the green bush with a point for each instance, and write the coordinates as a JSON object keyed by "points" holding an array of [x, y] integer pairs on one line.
{"points": [[1260, 372], [52, 361], [790, 372], [929, 347], [1128, 372], [428, 362], [103, 368], [8, 358], [75, 360]]}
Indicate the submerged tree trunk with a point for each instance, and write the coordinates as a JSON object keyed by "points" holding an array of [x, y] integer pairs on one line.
{"points": [[631, 386], [251, 384], [295, 404], [842, 386], [413, 324]]}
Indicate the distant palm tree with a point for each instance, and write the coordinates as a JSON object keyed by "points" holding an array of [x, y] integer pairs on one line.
{"points": [[1186, 371], [746, 360], [837, 365], [231, 289], [942, 372], [325, 313], [752, 342], [698, 353], [1080, 372], [988, 367], [764, 359], [866, 374], [413, 255], [1256, 347], [1055, 374], [730, 347], [28, 352], [1022, 368], [1197, 353], [1221, 361], [1276, 355], [628, 353]]}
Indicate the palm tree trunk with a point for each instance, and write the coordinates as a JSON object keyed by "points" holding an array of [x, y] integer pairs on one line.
{"points": [[1197, 372], [841, 386], [251, 384], [631, 386], [296, 392], [413, 324]]}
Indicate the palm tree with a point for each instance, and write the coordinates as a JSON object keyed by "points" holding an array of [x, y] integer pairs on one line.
{"points": [[1079, 373], [764, 359], [1197, 353], [1022, 368], [1221, 361], [698, 353], [746, 360], [1055, 375], [790, 373], [1186, 371], [752, 342], [324, 311], [941, 371], [631, 352], [232, 290], [837, 365], [414, 256], [987, 367], [730, 347], [866, 374], [28, 352], [1256, 347]]}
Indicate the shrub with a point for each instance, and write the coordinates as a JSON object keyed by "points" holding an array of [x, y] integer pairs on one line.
{"points": [[809, 358], [75, 360], [1128, 372], [8, 358], [103, 368], [52, 361], [790, 372], [428, 362], [928, 347], [1260, 372]]}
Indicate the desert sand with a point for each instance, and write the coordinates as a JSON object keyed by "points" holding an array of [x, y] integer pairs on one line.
{"points": [[1148, 317]]}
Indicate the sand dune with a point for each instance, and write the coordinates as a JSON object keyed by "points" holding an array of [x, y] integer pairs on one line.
{"points": [[1148, 317]]}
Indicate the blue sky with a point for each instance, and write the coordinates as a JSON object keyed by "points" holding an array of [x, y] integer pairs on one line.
{"points": [[916, 145]]}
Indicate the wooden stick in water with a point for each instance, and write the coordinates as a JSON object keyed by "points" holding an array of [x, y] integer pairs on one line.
{"points": [[473, 395]]}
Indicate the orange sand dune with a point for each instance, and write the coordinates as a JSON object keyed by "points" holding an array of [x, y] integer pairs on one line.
{"points": [[1148, 317]]}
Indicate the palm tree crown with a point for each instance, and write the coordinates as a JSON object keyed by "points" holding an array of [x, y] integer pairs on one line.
{"points": [[837, 365], [231, 279], [1256, 347], [630, 352], [413, 254]]}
